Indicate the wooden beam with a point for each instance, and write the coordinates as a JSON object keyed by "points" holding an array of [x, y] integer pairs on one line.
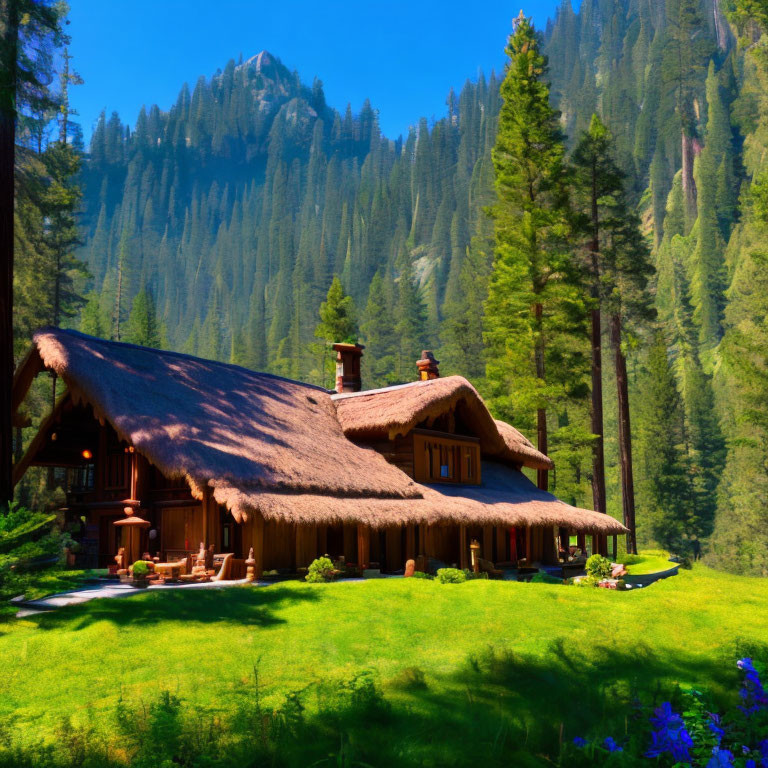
{"points": [[528, 544], [38, 441], [322, 540], [206, 504], [25, 374], [363, 546], [257, 542], [487, 551], [410, 542], [501, 544], [463, 548]]}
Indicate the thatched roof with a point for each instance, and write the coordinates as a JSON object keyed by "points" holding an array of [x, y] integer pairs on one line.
{"points": [[506, 497], [267, 444], [393, 411], [219, 425]]}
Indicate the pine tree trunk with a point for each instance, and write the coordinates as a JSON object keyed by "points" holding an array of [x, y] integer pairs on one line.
{"points": [[689, 182], [118, 297], [625, 436], [8, 67], [598, 449], [542, 475]]}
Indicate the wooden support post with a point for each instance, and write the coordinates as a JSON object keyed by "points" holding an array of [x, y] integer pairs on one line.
{"points": [[134, 469], [410, 542], [501, 544], [422, 539], [528, 544], [322, 540], [595, 544], [257, 533], [581, 541], [463, 548], [487, 552], [363, 546], [615, 547], [205, 505], [306, 545]]}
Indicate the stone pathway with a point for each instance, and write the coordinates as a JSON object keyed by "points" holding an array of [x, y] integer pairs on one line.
{"points": [[108, 589], [117, 589]]}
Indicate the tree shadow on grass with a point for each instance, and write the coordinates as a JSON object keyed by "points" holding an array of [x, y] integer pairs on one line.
{"points": [[247, 606], [504, 708], [497, 708]]}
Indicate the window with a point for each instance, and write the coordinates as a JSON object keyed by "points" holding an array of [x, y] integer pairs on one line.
{"points": [[439, 458]]}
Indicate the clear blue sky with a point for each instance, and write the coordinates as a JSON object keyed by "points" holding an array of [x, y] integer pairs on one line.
{"points": [[404, 56]]}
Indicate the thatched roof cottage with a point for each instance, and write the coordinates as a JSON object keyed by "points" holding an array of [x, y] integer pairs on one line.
{"points": [[205, 451]]}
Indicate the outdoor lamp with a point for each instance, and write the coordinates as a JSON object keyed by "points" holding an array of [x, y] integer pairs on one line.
{"points": [[474, 549], [87, 454]]}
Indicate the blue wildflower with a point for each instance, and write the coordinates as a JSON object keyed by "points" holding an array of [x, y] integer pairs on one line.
{"points": [[611, 745], [714, 726], [721, 758], [580, 742], [752, 692], [762, 748], [670, 734], [750, 764]]}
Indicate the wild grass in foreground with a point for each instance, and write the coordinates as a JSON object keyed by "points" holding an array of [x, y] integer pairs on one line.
{"points": [[381, 673]]}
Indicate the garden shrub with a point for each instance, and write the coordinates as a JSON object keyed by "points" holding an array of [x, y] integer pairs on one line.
{"points": [[599, 566], [321, 570], [588, 581], [451, 576], [470, 574], [140, 569], [422, 575]]}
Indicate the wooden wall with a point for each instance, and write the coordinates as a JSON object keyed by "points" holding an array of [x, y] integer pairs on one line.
{"points": [[181, 528], [398, 452]]}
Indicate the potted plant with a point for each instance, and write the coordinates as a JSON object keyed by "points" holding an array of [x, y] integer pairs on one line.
{"points": [[140, 570]]}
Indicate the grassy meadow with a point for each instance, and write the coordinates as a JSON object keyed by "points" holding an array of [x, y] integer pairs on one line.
{"points": [[383, 672]]}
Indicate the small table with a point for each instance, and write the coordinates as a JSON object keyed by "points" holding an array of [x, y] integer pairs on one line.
{"points": [[172, 570]]}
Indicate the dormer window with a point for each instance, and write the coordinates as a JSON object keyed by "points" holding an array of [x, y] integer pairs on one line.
{"points": [[442, 458]]}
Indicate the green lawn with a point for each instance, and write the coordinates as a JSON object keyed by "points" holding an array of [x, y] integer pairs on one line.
{"points": [[648, 561], [483, 667]]}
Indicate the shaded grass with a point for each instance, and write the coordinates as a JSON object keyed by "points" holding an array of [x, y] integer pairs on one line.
{"points": [[489, 668]]}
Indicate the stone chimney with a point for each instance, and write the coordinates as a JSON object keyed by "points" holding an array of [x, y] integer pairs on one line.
{"points": [[348, 367], [428, 366]]}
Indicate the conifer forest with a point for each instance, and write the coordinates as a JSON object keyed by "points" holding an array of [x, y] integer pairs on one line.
{"points": [[582, 236]]}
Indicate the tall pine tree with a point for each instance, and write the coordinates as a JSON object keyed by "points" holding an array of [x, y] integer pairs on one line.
{"points": [[535, 312]]}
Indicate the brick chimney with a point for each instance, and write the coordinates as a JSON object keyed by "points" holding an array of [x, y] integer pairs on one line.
{"points": [[348, 367], [427, 366]]}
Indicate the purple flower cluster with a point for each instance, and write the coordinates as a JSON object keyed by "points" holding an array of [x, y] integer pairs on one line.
{"points": [[670, 736], [752, 693], [721, 758], [609, 744]]}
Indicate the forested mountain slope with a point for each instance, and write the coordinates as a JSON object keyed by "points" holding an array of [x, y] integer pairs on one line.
{"points": [[681, 86], [234, 210], [237, 206]]}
